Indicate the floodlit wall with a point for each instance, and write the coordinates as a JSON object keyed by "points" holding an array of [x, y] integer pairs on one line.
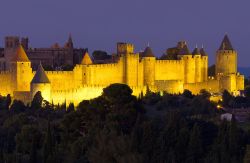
{"points": [[103, 74], [240, 82], [5, 83], [61, 80], [169, 70], [170, 86], [86, 92], [210, 85]]}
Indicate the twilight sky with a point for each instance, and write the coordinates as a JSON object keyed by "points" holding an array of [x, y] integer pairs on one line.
{"points": [[99, 24]]}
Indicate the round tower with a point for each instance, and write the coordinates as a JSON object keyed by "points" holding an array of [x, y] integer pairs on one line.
{"points": [[148, 60], [204, 59], [189, 62], [198, 65], [226, 59], [41, 83]]}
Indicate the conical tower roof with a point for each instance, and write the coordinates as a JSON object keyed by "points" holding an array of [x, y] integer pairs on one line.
{"points": [[40, 76], [203, 52], [196, 51], [148, 52], [226, 44], [20, 55], [86, 60], [184, 50]]}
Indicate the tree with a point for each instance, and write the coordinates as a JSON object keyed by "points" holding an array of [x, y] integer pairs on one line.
{"points": [[187, 93], [247, 92], [8, 101], [37, 101], [195, 145], [118, 93], [48, 146], [205, 94], [100, 55], [71, 107], [33, 152], [17, 106], [227, 97]]}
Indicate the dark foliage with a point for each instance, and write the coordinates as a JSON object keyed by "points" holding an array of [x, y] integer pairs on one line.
{"points": [[116, 127]]}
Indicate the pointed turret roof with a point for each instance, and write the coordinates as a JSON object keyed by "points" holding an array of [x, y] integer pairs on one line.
{"points": [[203, 52], [86, 60], [184, 50], [196, 51], [226, 44], [148, 52], [40, 76], [20, 55]]}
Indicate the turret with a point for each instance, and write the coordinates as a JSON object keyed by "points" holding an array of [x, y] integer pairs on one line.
{"points": [[204, 59], [189, 62], [41, 82], [21, 70], [148, 59], [198, 65], [226, 58], [86, 60]]}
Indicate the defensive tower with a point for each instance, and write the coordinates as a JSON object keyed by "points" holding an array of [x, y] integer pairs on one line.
{"points": [[41, 83], [226, 59], [21, 70], [148, 59]]}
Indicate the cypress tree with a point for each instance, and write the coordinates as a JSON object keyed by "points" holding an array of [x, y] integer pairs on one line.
{"points": [[195, 145], [48, 145]]}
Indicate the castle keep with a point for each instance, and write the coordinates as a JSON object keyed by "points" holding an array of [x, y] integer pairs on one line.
{"points": [[179, 70]]}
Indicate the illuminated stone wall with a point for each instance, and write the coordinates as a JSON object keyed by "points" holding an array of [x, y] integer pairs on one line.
{"points": [[61, 80], [169, 70], [85, 92], [170, 86], [212, 86], [104, 74], [226, 62], [5, 83]]}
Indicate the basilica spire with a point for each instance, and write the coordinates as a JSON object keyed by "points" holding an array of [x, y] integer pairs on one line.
{"points": [[69, 43]]}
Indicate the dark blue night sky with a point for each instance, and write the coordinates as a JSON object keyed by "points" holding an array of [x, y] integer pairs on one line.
{"points": [[99, 24]]}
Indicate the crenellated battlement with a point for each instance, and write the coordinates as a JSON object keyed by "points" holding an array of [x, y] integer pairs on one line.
{"points": [[226, 51], [109, 65], [169, 61], [59, 72]]}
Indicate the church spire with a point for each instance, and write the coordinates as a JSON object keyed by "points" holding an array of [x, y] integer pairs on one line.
{"points": [[226, 44], [69, 43]]}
